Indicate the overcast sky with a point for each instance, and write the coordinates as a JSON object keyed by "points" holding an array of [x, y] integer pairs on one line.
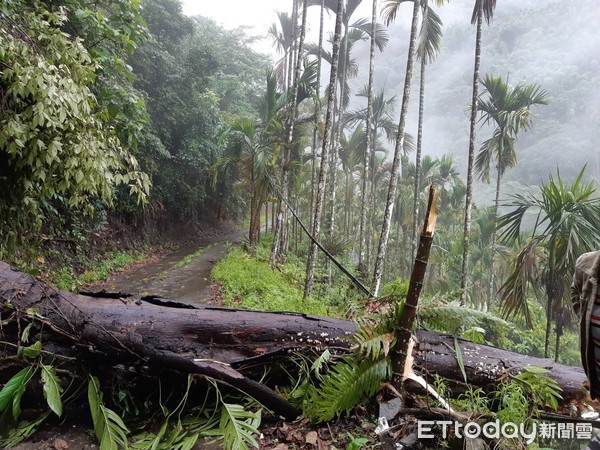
{"points": [[257, 16]]}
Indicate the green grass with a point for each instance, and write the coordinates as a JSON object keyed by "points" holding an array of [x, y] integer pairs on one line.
{"points": [[189, 258], [66, 279], [248, 282], [115, 261]]}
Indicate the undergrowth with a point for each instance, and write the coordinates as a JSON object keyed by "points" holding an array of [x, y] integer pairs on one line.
{"points": [[66, 279], [248, 282]]}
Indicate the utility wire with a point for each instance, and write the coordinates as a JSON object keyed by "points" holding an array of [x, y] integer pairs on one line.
{"points": [[345, 271]]}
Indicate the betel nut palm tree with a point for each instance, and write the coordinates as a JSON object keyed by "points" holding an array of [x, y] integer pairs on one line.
{"points": [[390, 10], [567, 220], [483, 10], [430, 41], [508, 110]]}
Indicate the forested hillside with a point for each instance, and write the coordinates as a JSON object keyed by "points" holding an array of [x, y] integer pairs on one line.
{"points": [[111, 114], [550, 43]]}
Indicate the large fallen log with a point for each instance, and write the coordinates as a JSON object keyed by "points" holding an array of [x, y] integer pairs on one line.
{"points": [[224, 344]]}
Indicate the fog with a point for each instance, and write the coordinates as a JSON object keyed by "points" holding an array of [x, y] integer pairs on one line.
{"points": [[553, 44]]}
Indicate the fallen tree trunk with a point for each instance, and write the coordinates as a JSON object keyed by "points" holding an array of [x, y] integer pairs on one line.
{"points": [[224, 344]]}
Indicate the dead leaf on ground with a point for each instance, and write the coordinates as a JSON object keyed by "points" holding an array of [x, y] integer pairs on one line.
{"points": [[60, 444], [312, 438]]}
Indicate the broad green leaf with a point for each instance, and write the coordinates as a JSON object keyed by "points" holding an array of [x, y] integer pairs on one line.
{"points": [[535, 369], [14, 389], [108, 426], [52, 389], [33, 351]]}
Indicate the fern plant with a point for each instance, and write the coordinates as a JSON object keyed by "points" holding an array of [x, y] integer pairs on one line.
{"points": [[358, 376]]}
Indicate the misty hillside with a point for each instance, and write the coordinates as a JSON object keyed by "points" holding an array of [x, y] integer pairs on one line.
{"points": [[553, 44]]}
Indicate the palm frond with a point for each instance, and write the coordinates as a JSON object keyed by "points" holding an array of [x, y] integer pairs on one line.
{"points": [[513, 293], [487, 10], [390, 10], [455, 318], [382, 36], [430, 36]]}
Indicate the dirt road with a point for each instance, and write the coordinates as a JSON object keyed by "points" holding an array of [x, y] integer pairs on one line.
{"points": [[182, 275]]}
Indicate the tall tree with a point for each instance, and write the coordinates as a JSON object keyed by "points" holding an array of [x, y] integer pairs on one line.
{"points": [[362, 266], [508, 109], [390, 9], [483, 10], [382, 122], [568, 220], [287, 154], [58, 144], [318, 105], [281, 33], [317, 216], [430, 41]]}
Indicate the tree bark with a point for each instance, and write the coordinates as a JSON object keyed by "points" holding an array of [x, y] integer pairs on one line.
{"points": [[400, 354], [391, 197], [415, 224], [362, 262], [313, 176], [318, 213], [225, 344]]}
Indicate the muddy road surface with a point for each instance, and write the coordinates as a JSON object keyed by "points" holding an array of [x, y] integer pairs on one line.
{"points": [[182, 275]]}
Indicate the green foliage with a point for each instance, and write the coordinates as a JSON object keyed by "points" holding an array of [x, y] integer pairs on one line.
{"points": [[543, 390], [13, 390], [451, 317], [113, 262], [248, 282], [356, 443], [108, 426], [52, 389], [237, 427], [167, 438], [54, 148], [374, 337], [347, 384], [513, 405], [23, 431], [474, 400]]}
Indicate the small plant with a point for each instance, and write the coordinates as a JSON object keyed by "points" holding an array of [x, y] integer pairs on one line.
{"points": [[474, 400], [12, 392], [189, 258]]}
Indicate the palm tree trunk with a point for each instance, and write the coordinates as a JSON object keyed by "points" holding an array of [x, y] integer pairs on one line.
{"points": [[559, 332], [362, 263], [401, 354], [294, 36], [469, 200], [418, 160], [318, 213], [387, 218], [279, 241], [317, 110]]}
